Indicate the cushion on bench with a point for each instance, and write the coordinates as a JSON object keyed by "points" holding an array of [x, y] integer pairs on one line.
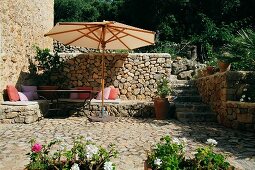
{"points": [[20, 103], [117, 101]]}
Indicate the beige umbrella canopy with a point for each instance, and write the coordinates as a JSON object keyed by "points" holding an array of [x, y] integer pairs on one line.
{"points": [[106, 35]]}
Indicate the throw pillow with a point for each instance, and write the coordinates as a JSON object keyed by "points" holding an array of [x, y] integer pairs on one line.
{"points": [[107, 91], [74, 95], [22, 96], [12, 93], [114, 93], [32, 89], [84, 95]]}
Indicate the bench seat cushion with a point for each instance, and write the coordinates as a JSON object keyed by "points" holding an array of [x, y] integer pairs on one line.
{"points": [[117, 101], [21, 103]]}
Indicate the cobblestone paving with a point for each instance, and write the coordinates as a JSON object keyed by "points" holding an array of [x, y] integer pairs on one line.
{"points": [[131, 136]]}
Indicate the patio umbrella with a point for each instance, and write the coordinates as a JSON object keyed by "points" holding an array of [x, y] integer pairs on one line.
{"points": [[106, 35]]}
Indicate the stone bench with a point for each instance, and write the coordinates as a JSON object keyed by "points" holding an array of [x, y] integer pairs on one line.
{"points": [[23, 112], [118, 108], [127, 108]]}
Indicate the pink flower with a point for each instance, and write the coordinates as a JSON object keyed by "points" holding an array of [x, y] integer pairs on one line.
{"points": [[36, 148]]}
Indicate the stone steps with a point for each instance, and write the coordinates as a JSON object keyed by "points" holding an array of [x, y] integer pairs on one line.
{"points": [[182, 82], [189, 107], [196, 116], [183, 92], [188, 98], [188, 103]]}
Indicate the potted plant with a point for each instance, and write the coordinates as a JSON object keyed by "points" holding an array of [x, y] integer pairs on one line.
{"points": [[169, 153], [161, 103], [225, 60], [45, 71], [83, 155]]}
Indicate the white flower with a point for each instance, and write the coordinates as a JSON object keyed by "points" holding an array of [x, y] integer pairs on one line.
{"points": [[108, 166], [241, 100], [244, 89], [157, 162], [243, 96], [75, 167], [63, 146], [176, 141], [88, 138], [91, 150], [211, 142], [59, 138], [249, 98]]}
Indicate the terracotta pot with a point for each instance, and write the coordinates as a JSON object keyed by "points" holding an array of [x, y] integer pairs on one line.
{"points": [[146, 166], [48, 95], [162, 108], [224, 66], [210, 70]]}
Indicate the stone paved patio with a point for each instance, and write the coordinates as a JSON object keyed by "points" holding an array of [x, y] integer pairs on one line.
{"points": [[131, 136]]}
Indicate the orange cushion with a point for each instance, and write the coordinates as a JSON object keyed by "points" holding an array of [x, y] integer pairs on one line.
{"points": [[12, 93], [84, 95], [114, 93]]}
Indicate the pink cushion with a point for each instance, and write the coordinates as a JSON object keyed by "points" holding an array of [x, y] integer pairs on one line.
{"points": [[12, 93], [114, 93], [84, 95], [107, 91], [30, 89], [74, 95], [22, 97]]}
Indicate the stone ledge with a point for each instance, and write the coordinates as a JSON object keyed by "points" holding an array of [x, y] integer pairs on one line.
{"points": [[23, 114], [126, 108]]}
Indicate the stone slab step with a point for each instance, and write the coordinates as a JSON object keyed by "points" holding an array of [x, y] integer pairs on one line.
{"points": [[185, 82], [191, 107], [182, 92], [196, 116], [188, 98], [183, 86]]}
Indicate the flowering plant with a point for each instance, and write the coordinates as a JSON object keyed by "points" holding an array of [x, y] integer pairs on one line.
{"points": [[84, 155], [170, 154]]}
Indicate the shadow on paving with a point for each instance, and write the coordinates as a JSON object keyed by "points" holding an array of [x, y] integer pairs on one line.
{"points": [[240, 144]]}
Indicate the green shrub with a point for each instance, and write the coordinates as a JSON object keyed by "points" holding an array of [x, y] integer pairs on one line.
{"points": [[169, 153], [84, 155]]}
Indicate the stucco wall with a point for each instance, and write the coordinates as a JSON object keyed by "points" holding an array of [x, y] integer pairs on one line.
{"points": [[22, 25]]}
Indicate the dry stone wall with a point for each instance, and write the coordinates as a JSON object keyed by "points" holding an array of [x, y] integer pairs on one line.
{"points": [[134, 74], [22, 25], [221, 91]]}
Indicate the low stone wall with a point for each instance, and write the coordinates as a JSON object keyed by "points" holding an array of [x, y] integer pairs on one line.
{"points": [[128, 108], [221, 90], [23, 114], [134, 74]]}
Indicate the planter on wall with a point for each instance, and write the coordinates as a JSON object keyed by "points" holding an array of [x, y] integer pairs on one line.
{"points": [[162, 108], [146, 166], [224, 66]]}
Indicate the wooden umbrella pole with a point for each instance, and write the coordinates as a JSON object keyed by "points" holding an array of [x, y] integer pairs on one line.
{"points": [[102, 81], [103, 47]]}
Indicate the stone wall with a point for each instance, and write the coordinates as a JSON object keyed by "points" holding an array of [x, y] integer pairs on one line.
{"points": [[134, 74], [222, 92], [23, 114], [22, 25]]}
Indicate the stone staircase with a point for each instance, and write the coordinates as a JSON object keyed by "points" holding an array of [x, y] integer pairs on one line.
{"points": [[188, 103]]}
